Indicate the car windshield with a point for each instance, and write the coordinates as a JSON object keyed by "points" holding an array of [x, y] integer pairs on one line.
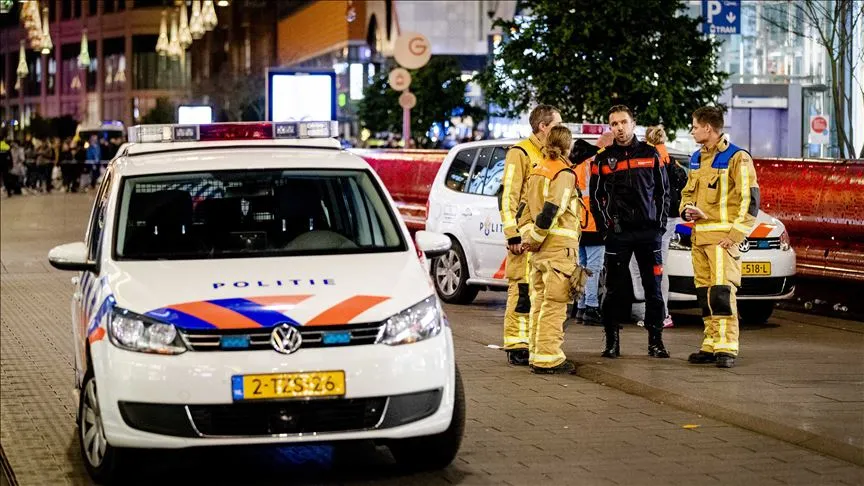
{"points": [[230, 214]]}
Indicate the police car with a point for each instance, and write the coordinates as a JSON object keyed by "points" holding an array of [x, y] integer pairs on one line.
{"points": [[463, 204], [251, 283]]}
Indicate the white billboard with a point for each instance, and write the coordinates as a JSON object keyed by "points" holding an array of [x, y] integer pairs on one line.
{"points": [[301, 95]]}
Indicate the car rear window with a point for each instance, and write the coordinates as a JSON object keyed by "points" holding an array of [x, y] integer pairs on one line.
{"points": [[230, 214]]}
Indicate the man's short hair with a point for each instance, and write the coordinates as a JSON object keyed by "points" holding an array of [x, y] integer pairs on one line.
{"points": [[541, 114], [620, 109], [711, 115]]}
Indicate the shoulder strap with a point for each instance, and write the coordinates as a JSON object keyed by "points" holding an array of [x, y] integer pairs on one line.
{"points": [[550, 168], [721, 160], [695, 160], [530, 150]]}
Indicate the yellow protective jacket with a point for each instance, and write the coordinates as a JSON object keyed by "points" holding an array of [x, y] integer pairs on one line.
{"points": [[521, 158], [722, 183], [553, 205]]}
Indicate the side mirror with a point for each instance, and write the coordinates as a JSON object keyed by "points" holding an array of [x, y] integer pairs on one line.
{"points": [[71, 256], [432, 244]]}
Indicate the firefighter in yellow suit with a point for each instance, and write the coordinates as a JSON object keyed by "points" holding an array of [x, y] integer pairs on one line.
{"points": [[553, 202], [520, 159], [722, 198]]}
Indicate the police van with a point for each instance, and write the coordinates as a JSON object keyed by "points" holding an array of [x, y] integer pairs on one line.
{"points": [[463, 204], [252, 283]]}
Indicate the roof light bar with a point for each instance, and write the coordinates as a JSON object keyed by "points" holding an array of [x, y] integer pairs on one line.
{"points": [[587, 128], [214, 132]]}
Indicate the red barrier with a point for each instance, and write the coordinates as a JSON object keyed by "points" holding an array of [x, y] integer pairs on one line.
{"points": [[408, 176], [820, 202], [822, 205]]}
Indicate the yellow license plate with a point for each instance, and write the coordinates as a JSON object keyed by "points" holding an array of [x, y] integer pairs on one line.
{"points": [[288, 385], [756, 269]]}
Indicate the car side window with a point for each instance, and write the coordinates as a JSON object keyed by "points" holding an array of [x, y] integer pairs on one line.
{"points": [[98, 218], [478, 175], [495, 172], [460, 170]]}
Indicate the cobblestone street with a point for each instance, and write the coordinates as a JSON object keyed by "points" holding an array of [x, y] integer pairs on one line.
{"points": [[522, 429]]}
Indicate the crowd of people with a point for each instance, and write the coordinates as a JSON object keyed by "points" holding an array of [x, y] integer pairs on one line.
{"points": [[34, 166], [569, 210]]}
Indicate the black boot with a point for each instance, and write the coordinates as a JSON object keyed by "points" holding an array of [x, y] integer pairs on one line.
{"points": [[702, 357], [566, 367], [725, 360], [517, 357], [613, 345], [655, 344]]}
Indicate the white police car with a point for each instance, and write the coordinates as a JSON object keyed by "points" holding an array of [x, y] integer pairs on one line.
{"points": [[463, 204], [252, 283]]}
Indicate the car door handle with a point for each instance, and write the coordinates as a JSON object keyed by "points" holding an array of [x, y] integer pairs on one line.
{"points": [[467, 212]]}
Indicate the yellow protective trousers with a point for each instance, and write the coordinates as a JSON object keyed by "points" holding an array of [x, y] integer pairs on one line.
{"points": [[550, 291], [717, 274], [517, 270]]}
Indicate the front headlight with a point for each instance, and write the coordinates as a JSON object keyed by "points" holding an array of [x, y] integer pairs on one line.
{"points": [[135, 332], [679, 242], [416, 323], [785, 244]]}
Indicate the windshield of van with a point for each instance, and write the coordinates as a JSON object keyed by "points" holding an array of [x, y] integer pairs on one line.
{"points": [[230, 214]]}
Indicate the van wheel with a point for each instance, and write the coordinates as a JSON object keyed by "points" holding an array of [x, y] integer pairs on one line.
{"points": [[434, 451], [450, 274], [100, 459], [755, 311]]}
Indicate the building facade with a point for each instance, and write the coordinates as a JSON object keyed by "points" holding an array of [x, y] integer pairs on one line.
{"points": [[125, 75]]}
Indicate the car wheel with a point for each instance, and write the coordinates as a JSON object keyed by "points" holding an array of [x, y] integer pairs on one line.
{"points": [[755, 311], [434, 451], [100, 459], [450, 274]]}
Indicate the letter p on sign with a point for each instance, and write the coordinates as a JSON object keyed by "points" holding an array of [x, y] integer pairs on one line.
{"points": [[714, 8]]}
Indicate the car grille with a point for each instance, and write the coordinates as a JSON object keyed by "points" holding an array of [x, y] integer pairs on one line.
{"points": [[251, 340], [765, 286], [764, 243], [288, 417]]}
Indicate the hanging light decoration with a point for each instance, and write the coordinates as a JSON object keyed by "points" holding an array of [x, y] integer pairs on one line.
{"points": [[22, 70], [196, 23], [184, 35], [174, 48], [46, 44], [84, 56], [208, 14], [32, 20], [162, 43]]}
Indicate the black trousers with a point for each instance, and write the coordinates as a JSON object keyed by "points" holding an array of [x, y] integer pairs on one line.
{"points": [[646, 245]]}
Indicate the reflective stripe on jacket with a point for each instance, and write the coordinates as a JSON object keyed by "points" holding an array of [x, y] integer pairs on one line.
{"points": [[722, 183], [520, 159], [553, 205]]}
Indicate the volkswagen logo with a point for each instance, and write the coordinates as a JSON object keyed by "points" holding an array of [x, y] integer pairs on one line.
{"points": [[744, 246], [286, 339]]}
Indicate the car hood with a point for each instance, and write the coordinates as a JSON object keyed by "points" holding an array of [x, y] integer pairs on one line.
{"points": [[254, 292]]}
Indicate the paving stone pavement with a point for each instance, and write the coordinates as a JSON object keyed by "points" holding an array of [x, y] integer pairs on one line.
{"points": [[521, 428]]}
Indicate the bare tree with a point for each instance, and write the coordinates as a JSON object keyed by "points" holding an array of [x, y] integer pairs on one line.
{"points": [[833, 23]]}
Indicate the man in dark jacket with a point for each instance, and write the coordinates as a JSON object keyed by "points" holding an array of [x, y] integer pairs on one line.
{"points": [[630, 203]]}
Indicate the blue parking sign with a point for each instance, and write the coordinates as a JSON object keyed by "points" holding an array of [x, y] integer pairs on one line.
{"points": [[721, 16]]}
